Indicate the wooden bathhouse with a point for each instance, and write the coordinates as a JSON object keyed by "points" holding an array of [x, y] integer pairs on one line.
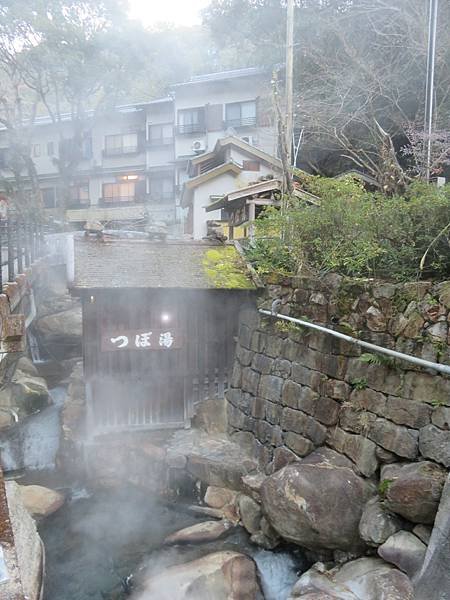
{"points": [[159, 326]]}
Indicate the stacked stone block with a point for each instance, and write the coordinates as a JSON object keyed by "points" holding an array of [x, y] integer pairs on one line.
{"points": [[293, 390]]}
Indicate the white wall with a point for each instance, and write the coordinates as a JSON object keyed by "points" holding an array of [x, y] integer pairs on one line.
{"points": [[218, 186]]}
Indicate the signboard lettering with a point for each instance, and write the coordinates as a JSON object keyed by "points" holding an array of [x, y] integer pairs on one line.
{"points": [[155, 339]]}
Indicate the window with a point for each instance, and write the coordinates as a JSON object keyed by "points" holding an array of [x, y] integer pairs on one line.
{"points": [[79, 194], [160, 135], [50, 149], [36, 150], [240, 114], [49, 197], [162, 188], [121, 144], [191, 120], [119, 192], [250, 165]]}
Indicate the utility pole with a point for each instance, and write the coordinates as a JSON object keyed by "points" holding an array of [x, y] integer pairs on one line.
{"points": [[289, 79], [429, 101]]}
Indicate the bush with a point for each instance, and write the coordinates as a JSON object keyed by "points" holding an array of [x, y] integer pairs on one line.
{"points": [[357, 233]]}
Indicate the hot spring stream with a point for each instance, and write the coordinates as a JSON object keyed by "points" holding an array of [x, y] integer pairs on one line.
{"points": [[99, 538], [96, 541]]}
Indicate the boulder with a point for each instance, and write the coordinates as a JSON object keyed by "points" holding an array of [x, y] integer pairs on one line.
{"points": [[222, 576], [218, 497], [28, 549], [26, 391], [377, 524], [250, 512], [423, 532], [198, 533], [405, 551], [62, 331], [434, 443], [361, 579], [414, 490], [41, 501], [433, 581], [317, 503]]}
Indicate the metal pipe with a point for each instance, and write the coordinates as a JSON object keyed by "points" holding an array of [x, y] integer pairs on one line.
{"points": [[429, 102], [407, 357]]}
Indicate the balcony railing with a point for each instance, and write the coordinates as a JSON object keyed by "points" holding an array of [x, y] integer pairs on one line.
{"points": [[242, 122], [119, 200], [121, 151], [21, 243], [191, 128], [157, 142]]}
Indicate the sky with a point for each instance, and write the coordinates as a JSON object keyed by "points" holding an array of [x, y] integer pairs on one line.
{"points": [[179, 12]]}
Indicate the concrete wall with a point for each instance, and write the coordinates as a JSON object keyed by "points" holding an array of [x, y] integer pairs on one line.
{"points": [[293, 390]]}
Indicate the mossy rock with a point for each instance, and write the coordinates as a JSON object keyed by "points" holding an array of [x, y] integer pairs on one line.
{"points": [[225, 269]]}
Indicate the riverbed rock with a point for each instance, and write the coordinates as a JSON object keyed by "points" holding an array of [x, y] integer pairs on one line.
{"points": [[318, 502], [222, 576], [24, 391], [28, 546], [208, 531], [361, 579], [433, 581], [61, 332], [377, 524], [250, 512], [414, 490], [41, 501], [405, 551], [218, 497]]}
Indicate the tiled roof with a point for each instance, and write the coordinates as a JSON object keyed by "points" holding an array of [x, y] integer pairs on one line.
{"points": [[248, 72], [139, 263]]}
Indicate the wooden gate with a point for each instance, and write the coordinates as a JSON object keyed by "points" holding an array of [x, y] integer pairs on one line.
{"points": [[152, 355]]}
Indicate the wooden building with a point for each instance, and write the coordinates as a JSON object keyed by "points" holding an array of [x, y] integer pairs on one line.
{"points": [[159, 324]]}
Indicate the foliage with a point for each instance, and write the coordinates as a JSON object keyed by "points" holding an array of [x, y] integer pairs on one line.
{"points": [[384, 486], [377, 359], [343, 85], [357, 233], [359, 383], [224, 269]]}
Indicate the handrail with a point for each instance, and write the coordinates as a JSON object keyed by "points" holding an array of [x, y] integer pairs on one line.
{"points": [[342, 336]]}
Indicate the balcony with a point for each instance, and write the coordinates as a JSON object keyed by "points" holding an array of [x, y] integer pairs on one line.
{"points": [[159, 142], [191, 128], [124, 150], [242, 122]]}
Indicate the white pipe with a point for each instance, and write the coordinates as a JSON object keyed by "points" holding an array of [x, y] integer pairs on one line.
{"points": [[407, 357]]}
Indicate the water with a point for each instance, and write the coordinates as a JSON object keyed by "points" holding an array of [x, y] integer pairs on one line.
{"points": [[94, 543], [33, 443]]}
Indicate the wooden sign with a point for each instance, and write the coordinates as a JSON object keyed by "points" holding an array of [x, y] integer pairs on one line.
{"points": [[151, 339]]}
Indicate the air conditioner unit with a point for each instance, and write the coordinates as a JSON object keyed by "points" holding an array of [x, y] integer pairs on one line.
{"points": [[198, 146], [249, 139]]}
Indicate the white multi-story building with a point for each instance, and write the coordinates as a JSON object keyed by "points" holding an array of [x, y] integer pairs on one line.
{"points": [[134, 161]]}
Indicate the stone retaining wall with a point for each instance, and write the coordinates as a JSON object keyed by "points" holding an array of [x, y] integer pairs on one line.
{"points": [[293, 390]]}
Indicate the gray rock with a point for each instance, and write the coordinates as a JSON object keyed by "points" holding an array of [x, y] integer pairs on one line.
{"points": [[362, 579], [358, 448], [299, 422], [318, 502], [62, 331], [435, 444], [423, 533], [221, 576], [298, 444], [433, 581], [218, 497], [250, 512], [200, 532], [377, 524], [405, 551], [395, 438], [441, 417], [270, 387], [407, 412], [414, 490]]}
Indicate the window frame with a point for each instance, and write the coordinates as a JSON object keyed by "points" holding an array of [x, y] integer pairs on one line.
{"points": [[241, 121], [120, 149], [194, 126]]}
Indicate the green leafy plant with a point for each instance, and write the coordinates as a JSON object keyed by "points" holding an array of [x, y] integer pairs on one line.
{"points": [[359, 383], [356, 233], [384, 486], [437, 402], [377, 359]]}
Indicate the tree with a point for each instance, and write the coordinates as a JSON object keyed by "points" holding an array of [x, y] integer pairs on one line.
{"points": [[360, 70]]}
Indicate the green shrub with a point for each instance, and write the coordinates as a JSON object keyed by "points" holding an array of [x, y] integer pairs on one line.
{"points": [[357, 233]]}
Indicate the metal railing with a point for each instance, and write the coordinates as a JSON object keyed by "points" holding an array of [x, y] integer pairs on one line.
{"points": [[241, 122], [21, 243], [342, 336], [191, 128]]}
